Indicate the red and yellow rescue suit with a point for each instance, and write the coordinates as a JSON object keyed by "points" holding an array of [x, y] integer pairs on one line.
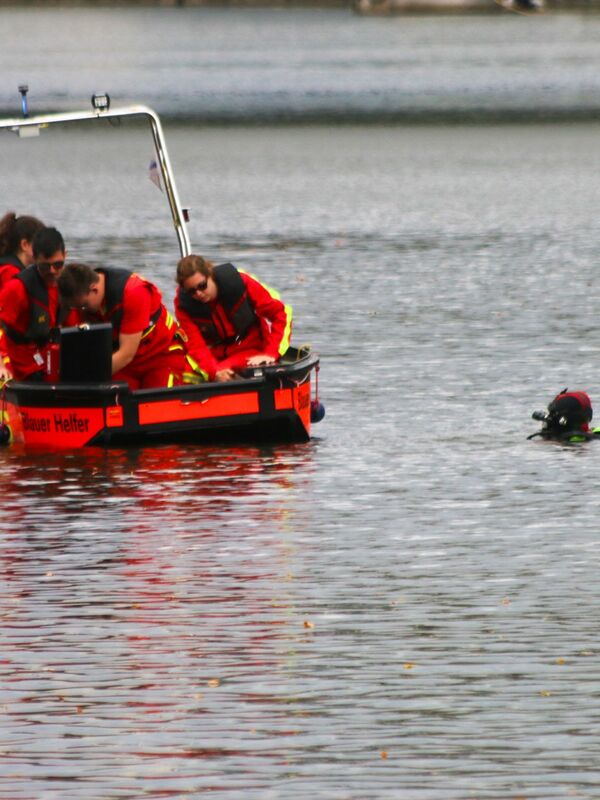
{"points": [[132, 304], [246, 319], [29, 310]]}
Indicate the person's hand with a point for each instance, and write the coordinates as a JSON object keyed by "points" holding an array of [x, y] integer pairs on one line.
{"points": [[223, 375], [5, 373], [261, 360]]}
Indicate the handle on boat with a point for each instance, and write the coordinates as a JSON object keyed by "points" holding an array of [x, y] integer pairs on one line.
{"points": [[23, 89]]}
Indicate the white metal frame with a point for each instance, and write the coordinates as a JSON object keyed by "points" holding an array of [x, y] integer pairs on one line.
{"points": [[22, 125]]}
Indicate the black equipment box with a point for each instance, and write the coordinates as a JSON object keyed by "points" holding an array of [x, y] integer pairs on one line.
{"points": [[86, 354]]}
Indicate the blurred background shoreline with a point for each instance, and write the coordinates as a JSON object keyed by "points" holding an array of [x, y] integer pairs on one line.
{"points": [[306, 66], [359, 7]]}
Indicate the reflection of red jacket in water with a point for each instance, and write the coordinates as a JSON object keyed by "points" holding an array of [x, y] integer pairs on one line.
{"points": [[246, 319], [132, 304]]}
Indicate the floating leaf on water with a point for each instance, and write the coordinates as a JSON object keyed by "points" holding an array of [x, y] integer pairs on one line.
{"points": [[308, 624]]}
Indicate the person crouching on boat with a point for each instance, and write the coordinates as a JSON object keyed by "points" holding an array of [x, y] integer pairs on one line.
{"points": [[147, 352], [16, 253], [232, 321], [29, 308]]}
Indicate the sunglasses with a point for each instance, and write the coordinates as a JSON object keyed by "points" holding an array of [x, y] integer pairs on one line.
{"points": [[47, 265], [199, 287]]}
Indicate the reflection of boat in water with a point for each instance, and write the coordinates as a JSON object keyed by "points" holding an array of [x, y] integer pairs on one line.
{"points": [[270, 402]]}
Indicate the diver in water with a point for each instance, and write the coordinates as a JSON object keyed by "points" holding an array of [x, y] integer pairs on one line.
{"points": [[567, 418]]}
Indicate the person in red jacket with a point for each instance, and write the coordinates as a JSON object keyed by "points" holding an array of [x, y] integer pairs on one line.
{"points": [[232, 321], [16, 253], [29, 307], [147, 353], [16, 244]]}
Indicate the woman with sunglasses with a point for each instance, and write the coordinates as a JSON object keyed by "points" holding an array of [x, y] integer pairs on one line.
{"points": [[231, 319]]}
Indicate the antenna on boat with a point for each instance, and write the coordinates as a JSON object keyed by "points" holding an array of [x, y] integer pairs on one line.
{"points": [[23, 89]]}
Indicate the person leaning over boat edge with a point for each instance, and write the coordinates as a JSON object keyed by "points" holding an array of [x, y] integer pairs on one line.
{"points": [[16, 253], [231, 319], [29, 307], [147, 350]]}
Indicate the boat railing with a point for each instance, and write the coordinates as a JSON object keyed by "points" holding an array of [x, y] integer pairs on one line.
{"points": [[29, 126]]}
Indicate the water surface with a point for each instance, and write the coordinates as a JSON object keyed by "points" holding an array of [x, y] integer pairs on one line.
{"points": [[406, 605]]}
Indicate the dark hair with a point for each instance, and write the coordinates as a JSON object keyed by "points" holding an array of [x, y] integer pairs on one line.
{"points": [[14, 229], [189, 265], [75, 280], [46, 242]]}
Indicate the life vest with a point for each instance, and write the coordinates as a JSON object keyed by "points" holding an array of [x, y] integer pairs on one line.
{"points": [[38, 330], [13, 261], [233, 296], [115, 280], [10, 266]]}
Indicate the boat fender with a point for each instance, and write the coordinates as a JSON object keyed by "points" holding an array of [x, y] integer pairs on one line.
{"points": [[317, 411], [4, 434]]}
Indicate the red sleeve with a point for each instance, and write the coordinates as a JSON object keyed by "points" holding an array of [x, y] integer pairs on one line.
{"points": [[3, 351], [7, 271], [137, 306], [74, 317], [275, 317], [14, 306], [196, 346]]}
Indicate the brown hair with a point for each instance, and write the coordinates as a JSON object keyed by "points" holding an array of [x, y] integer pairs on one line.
{"points": [[189, 265], [14, 229], [75, 280]]}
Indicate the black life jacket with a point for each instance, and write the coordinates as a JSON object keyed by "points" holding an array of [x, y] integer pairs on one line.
{"points": [[39, 328], [232, 295], [115, 280], [13, 261]]}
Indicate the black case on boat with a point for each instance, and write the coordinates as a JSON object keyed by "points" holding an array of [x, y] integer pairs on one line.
{"points": [[86, 354]]}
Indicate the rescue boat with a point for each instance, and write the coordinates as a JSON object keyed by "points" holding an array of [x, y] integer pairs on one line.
{"points": [[273, 403]]}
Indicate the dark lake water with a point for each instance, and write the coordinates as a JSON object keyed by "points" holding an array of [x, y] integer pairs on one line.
{"points": [[406, 606]]}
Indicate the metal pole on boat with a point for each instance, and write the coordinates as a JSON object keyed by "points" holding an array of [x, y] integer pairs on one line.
{"points": [[178, 215], [23, 89], [30, 126]]}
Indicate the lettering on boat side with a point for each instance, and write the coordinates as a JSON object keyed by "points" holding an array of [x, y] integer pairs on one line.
{"points": [[58, 422], [303, 397], [56, 427]]}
